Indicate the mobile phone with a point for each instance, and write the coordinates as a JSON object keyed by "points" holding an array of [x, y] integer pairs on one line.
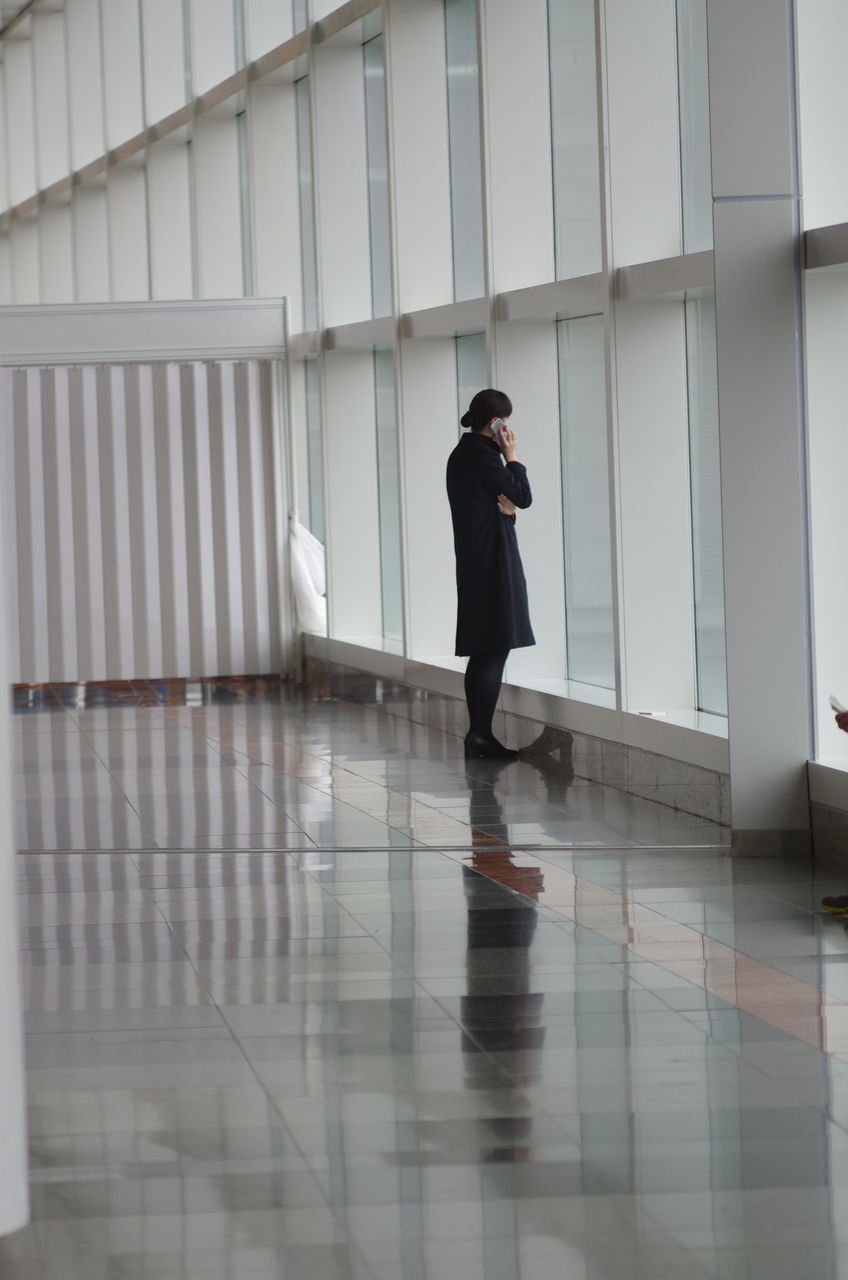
{"points": [[497, 427], [835, 704]]}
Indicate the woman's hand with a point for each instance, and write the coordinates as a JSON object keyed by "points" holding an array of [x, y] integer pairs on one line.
{"points": [[508, 442], [505, 507]]}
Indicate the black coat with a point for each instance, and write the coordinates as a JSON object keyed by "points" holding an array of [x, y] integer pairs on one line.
{"points": [[492, 612]]}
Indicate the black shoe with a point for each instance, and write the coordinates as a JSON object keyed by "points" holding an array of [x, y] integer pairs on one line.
{"points": [[835, 906], [484, 746]]}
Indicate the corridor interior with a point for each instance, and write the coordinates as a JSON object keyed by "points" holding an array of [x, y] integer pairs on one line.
{"points": [[311, 997]]}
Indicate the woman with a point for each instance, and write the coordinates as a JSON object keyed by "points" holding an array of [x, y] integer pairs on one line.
{"points": [[486, 483]]}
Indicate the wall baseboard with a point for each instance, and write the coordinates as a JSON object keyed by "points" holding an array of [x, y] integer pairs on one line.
{"points": [[691, 789]]}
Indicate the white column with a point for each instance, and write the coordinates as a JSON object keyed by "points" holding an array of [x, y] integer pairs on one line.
{"points": [[169, 204], [51, 96], [82, 26], [121, 37], [19, 117], [213, 42], [217, 208], [127, 204], [91, 241], [26, 269], [342, 184], [760, 378], [56, 245], [163, 50], [272, 140], [14, 1197]]}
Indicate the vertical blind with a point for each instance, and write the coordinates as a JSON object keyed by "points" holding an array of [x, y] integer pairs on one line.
{"points": [[140, 508]]}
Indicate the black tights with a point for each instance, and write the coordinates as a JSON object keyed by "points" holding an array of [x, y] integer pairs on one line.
{"points": [[483, 677]]}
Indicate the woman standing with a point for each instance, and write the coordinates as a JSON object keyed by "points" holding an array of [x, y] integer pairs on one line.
{"points": [[486, 483]]}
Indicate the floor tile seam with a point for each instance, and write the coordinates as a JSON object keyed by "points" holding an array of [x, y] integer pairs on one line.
{"points": [[115, 782]]}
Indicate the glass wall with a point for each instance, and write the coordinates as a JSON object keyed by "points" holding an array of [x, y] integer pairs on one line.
{"points": [[244, 205], [615, 388], [708, 561], [585, 502], [574, 137], [471, 369], [466, 169], [378, 175], [314, 447], [306, 201], [696, 178], [299, 16], [388, 489]]}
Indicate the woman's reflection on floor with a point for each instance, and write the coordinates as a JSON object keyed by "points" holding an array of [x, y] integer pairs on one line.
{"points": [[500, 1012]]}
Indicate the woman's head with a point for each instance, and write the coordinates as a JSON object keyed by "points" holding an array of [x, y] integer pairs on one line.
{"points": [[485, 406]]}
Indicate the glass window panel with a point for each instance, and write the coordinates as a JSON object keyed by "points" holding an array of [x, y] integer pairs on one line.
{"points": [[471, 369], [695, 170], [378, 175], [314, 447], [465, 161], [388, 473], [706, 505], [306, 203], [244, 205], [299, 17], [574, 134], [585, 502]]}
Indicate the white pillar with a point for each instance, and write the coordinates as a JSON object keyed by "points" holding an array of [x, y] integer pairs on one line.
{"points": [[760, 378], [14, 1196]]}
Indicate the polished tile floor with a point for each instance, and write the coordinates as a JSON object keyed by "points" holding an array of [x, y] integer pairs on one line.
{"points": [[311, 999]]}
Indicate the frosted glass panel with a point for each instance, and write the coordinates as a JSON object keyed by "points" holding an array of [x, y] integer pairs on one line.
{"points": [[695, 171], [706, 505], [585, 502], [471, 369], [464, 134], [388, 484], [378, 175], [306, 203], [314, 447], [574, 131]]}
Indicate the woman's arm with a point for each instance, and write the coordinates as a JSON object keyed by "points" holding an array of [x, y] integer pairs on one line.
{"points": [[510, 480]]}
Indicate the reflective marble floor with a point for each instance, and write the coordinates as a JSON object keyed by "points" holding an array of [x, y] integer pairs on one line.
{"points": [[309, 999]]}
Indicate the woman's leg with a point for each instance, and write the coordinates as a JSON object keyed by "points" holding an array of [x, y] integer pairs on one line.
{"points": [[483, 678]]}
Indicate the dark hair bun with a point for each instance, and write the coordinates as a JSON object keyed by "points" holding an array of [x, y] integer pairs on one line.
{"points": [[485, 406]]}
